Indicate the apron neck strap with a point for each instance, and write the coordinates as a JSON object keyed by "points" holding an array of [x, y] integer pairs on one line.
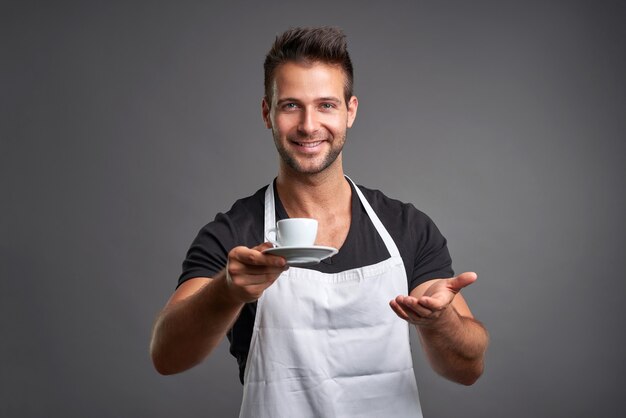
{"points": [[270, 211], [380, 228]]}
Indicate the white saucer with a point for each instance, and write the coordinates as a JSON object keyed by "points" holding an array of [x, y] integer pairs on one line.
{"points": [[303, 256]]}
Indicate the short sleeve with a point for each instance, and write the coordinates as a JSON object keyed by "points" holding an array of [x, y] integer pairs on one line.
{"points": [[432, 258], [208, 252]]}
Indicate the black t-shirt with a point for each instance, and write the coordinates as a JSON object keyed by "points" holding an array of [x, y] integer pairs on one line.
{"points": [[421, 245]]}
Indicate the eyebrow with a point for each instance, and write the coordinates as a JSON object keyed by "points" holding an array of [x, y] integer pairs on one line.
{"points": [[321, 99], [329, 99]]}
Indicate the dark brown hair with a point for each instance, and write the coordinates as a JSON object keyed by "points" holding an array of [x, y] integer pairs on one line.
{"points": [[309, 45]]}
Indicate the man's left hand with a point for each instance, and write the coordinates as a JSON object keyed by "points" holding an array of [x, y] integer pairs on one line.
{"points": [[432, 305]]}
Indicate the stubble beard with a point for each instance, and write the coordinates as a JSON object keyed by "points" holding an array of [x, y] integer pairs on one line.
{"points": [[328, 159]]}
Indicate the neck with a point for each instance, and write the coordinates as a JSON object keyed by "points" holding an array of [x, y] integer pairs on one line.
{"points": [[313, 195]]}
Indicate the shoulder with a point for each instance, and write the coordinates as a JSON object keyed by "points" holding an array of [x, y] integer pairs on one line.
{"points": [[248, 206], [393, 211], [244, 215], [411, 228]]}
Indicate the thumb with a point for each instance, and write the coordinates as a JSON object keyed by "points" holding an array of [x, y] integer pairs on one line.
{"points": [[263, 246], [462, 280]]}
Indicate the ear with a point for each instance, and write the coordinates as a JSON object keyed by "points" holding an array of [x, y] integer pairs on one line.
{"points": [[265, 110], [353, 105]]}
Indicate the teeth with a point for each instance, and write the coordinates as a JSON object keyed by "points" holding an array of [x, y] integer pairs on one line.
{"points": [[309, 144]]}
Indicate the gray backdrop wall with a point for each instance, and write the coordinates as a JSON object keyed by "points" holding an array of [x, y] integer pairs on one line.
{"points": [[127, 125]]}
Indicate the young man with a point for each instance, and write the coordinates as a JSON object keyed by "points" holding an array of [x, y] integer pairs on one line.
{"points": [[323, 340]]}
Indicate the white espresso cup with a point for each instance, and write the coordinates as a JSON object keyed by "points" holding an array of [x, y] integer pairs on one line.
{"points": [[293, 232]]}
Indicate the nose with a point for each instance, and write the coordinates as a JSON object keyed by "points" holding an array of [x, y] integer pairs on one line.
{"points": [[309, 124]]}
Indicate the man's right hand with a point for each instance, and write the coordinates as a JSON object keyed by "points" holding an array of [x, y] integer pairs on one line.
{"points": [[200, 312], [249, 272]]}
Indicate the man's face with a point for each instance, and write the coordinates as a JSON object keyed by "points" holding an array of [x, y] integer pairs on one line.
{"points": [[308, 115]]}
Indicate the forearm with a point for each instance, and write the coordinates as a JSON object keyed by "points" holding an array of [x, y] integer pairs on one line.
{"points": [[188, 330], [455, 346]]}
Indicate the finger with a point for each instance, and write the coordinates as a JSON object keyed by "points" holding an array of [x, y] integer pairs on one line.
{"points": [[249, 276], [263, 246], [406, 314], [235, 267], [398, 310], [255, 275], [416, 318], [252, 257], [462, 280], [239, 275], [256, 280], [432, 303], [411, 306]]}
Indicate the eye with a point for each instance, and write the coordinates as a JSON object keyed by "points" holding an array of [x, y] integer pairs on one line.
{"points": [[327, 106], [290, 106]]}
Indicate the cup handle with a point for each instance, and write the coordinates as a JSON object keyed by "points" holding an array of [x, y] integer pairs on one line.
{"points": [[268, 237]]}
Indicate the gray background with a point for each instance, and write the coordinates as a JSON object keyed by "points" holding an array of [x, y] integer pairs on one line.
{"points": [[126, 126]]}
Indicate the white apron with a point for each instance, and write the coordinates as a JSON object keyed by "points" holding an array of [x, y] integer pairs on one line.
{"points": [[329, 345]]}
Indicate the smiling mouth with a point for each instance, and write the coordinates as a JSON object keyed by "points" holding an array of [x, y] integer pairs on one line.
{"points": [[308, 144]]}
